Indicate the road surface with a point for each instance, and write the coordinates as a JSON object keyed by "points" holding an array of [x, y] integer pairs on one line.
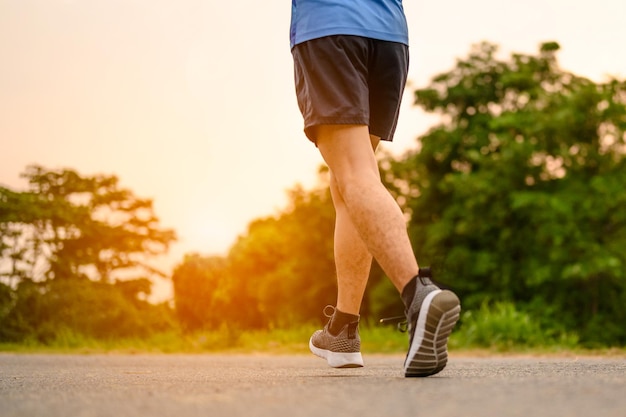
{"points": [[174, 385]]}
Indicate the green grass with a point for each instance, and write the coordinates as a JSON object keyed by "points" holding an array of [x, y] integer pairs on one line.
{"points": [[492, 329], [375, 340]]}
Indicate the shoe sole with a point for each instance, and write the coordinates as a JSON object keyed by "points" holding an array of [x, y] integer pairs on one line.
{"points": [[338, 359], [428, 354]]}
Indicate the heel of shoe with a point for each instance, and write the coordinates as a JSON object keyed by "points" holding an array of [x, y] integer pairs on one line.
{"points": [[345, 360]]}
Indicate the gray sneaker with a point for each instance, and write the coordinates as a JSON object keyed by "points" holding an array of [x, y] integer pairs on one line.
{"points": [[430, 318], [342, 350]]}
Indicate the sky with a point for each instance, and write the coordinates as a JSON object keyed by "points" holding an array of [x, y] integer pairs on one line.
{"points": [[191, 102]]}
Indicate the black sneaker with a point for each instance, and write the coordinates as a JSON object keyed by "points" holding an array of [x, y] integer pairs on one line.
{"points": [[342, 350], [430, 318]]}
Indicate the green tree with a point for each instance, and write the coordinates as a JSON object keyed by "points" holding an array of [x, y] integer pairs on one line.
{"points": [[77, 226], [280, 272], [20, 258], [286, 262], [44, 311], [65, 245], [518, 193], [200, 292]]}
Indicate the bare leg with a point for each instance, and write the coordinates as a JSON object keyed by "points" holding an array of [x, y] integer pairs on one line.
{"points": [[353, 260], [372, 212]]}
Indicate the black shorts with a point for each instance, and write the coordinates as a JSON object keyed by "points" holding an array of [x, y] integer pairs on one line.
{"points": [[350, 80]]}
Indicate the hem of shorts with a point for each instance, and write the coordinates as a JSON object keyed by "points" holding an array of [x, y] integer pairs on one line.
{"points": [[338, 121], [308, 128]]}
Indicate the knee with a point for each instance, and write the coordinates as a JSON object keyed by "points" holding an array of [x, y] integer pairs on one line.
{"points": [[344, 186], [336, 193]]}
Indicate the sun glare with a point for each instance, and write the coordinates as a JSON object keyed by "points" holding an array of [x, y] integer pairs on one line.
{"points": [[206, 236]]}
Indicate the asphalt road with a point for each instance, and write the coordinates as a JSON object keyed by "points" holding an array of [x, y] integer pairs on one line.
{"points": [[299, 385]]}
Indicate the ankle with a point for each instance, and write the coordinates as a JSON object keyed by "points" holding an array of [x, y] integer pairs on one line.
{"points": [[339, 320], [421, 279], [408, 292]]}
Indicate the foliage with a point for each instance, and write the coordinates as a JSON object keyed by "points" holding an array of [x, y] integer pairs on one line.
{"points": [[517, 194], [503, 327], [45, 310], [67, 226], [279, 273], [200, 291], [287, 263], [65, 243]]}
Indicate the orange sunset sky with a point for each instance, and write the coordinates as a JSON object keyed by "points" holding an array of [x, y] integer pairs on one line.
{"points": [[191, 103]]}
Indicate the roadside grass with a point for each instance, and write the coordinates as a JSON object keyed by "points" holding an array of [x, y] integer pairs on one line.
{"points": [[375, 340], [496, 329]]}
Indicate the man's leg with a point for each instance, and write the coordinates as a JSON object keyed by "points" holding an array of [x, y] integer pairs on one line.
{"points": [[371, 211], [377, 219], [363, 228], [431, 313], [353, 260]]}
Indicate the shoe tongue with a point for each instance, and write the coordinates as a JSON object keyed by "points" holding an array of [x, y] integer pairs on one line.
{"points": [[425, 274]]}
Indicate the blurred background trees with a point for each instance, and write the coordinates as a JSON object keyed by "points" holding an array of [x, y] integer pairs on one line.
{"points": [[74, 255], [280, 273], [518, 194], [515, 199]]}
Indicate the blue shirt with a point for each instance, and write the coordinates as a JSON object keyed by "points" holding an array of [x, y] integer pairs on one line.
{"points": [[377, 19]]}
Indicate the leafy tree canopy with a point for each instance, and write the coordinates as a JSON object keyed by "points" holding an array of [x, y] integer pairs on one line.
{"points": [[65, 244], [518, 193], [66, 226], [280, 272]]}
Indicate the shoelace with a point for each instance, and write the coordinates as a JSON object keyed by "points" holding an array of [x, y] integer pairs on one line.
{"points": [[329, 311], [402, 324], [424, 275]]}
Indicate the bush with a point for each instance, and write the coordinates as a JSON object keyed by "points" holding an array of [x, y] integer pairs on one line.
{"points": [[52, 310], [503, 327]]}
